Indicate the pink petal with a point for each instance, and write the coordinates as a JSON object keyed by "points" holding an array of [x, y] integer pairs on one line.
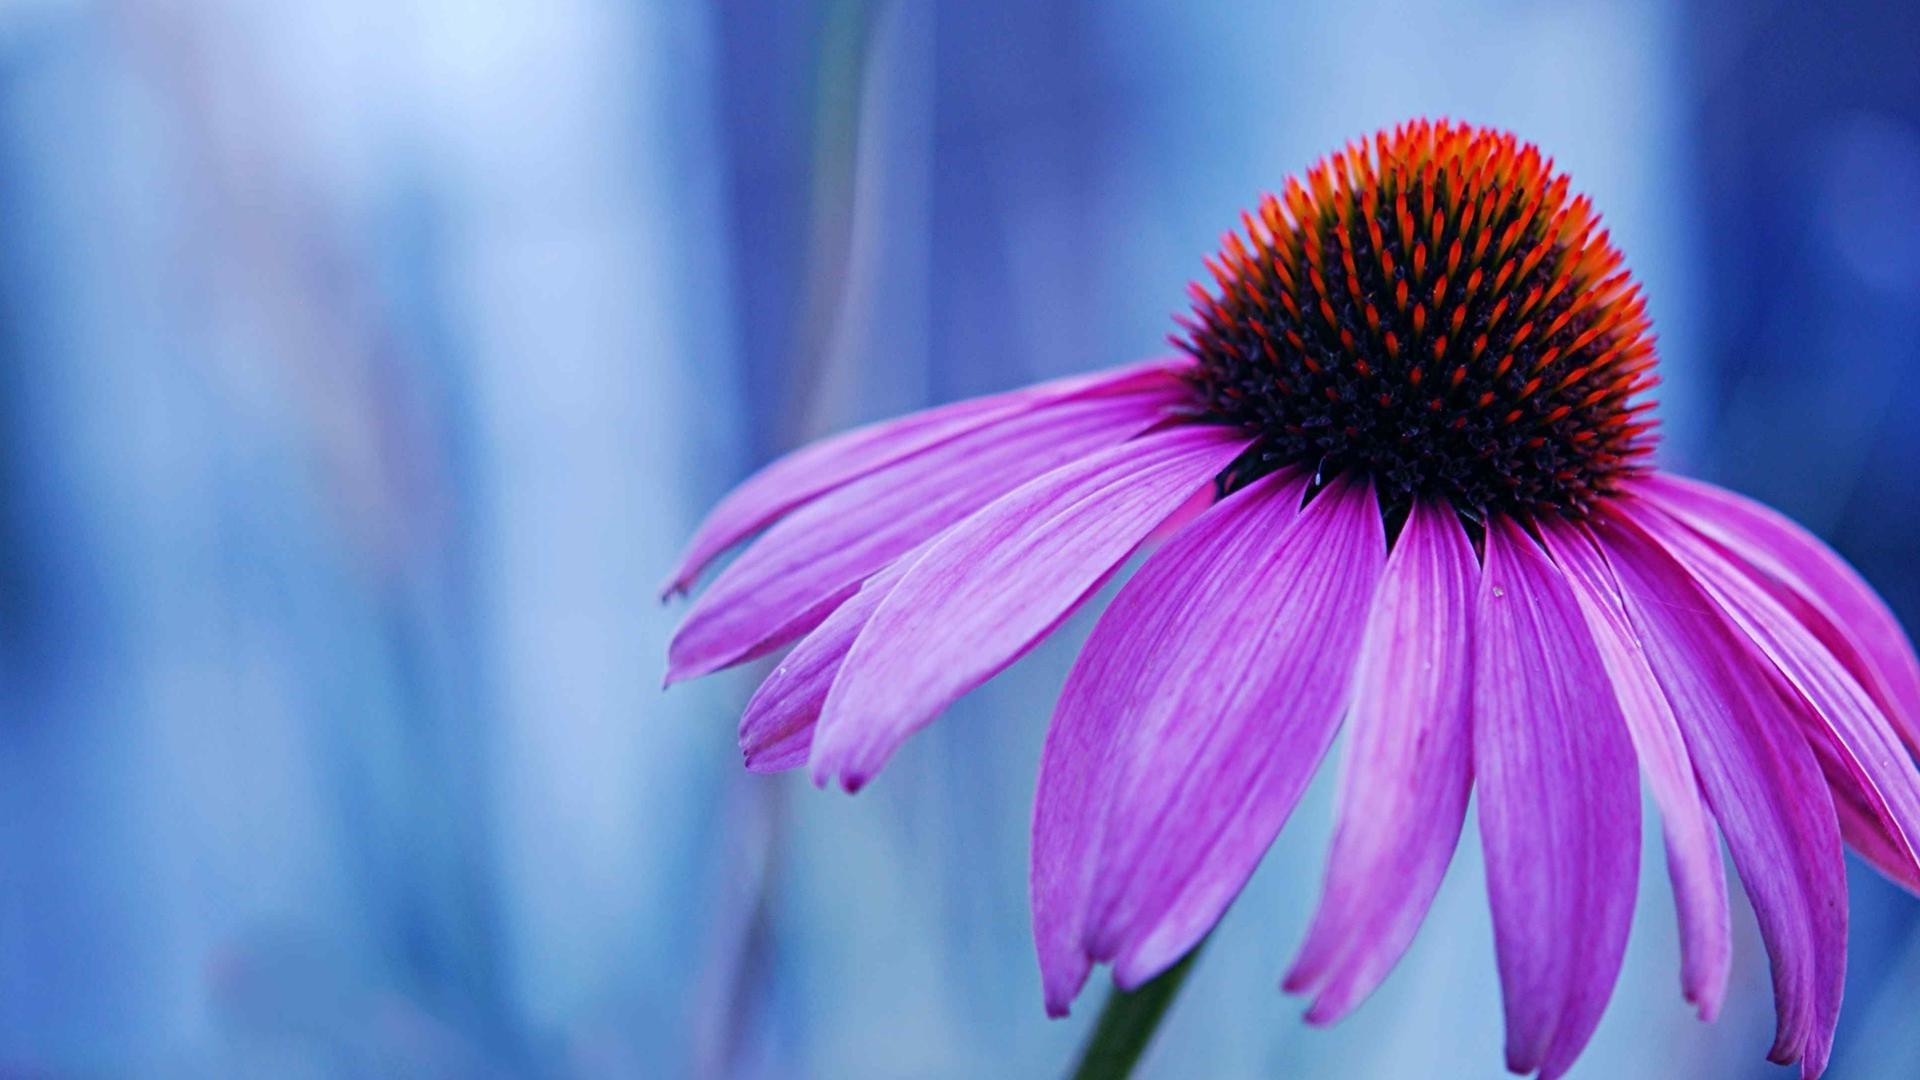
{"points": [[1193, 719], [814, 470], [1759, 777], [1846, 724], [1693, 848], [995, 584], [1841, 608], [805, 566], [1861, 824], [1821, 591], [783, 750], [1408, 766], [1559, 804], [776, 731]]}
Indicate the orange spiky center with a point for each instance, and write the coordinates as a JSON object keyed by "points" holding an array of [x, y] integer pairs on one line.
{"points": [[1433, 310]]}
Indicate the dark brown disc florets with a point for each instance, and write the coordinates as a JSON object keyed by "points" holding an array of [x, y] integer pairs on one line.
{"points": [[1433, 310]]}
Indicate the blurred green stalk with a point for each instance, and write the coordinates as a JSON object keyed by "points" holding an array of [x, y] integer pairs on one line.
{"points": [[1127, 1024]]}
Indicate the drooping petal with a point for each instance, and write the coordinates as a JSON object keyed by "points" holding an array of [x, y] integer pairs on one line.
{"points": [[1759, 777], [777, 750], [814, 470], [1559, 804], [1693, 847], [776, 730], [1194, 717], [995, 584], [1861, 825], [1847, 726], [806, 565], [1837, 604], [1407, 770], [1820, 590]]}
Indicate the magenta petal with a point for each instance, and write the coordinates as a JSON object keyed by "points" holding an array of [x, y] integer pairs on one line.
{"points": [[1193, 719], [776, 731], [992, 586], [1824, 594], [1841, 608], [814, 470], [1847, 726], [1408, 766], [783, 750], [1559, 804], [1861, 824], [805, 566], [1759, 777], [1693, 847]]}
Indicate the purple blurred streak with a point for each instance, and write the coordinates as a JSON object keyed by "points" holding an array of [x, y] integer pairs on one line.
{"points": [[851, 163], [264, 252]]}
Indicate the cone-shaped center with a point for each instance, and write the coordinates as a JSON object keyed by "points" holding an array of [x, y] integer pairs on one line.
{"points": [[1434, 310]]}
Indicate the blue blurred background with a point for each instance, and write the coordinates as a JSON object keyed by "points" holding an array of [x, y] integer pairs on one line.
{"points": [[363, 364]]}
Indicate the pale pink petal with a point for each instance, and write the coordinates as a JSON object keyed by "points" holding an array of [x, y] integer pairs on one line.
{"points": [[1407, 770], [1193, 719], [1693, 847], [805, 566], [1826, 593], [1843, 720], [1759, 777], [995, 584], [1559, 804], [816, 469]]}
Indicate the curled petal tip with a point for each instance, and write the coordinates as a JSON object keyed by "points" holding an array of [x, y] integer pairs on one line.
{"points": [[1063, 974], [1296, 981], [1322, 1014], [674, 584], [1785, 1049], [1524, 1060], [678, 671], [851, 778]]}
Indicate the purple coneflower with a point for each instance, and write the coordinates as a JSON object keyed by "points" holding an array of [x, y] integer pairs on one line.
{"points": [[1399, 477]]}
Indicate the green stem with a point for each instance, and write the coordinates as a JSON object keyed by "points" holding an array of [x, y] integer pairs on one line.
{"points": [[1127, 1023]]}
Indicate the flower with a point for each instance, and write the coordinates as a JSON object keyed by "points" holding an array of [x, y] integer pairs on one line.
{"points": [[1398, 477]]}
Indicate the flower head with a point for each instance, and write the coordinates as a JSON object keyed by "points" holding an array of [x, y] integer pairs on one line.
{"points": [[1398, 480], [1431, 311]]}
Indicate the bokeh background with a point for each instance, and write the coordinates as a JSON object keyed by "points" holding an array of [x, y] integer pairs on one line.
{"points": [[364, 362]]}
